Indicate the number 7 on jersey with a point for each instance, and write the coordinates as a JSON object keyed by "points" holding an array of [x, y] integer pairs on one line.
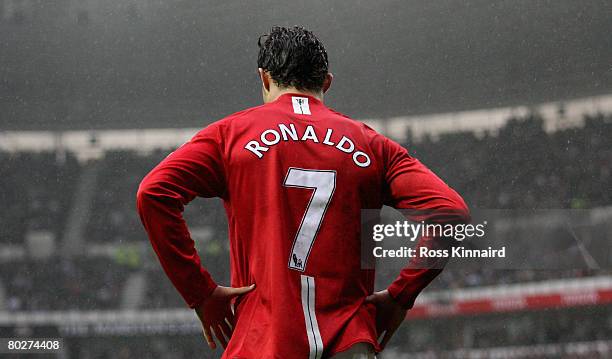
{"points": [[323, 185]]}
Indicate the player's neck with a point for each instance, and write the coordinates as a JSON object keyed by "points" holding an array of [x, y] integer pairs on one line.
{"points": [[277, 92]]}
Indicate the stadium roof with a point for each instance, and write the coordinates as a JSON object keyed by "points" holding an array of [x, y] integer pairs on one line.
{"points": [[150, 64], [87, 144]]}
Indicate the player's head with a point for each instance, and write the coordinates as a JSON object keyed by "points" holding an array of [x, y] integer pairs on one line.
{"points": [[292, 58]]}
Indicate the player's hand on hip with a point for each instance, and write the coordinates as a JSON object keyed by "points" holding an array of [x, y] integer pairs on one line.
{"points": [[389, 315], [217, 316]]}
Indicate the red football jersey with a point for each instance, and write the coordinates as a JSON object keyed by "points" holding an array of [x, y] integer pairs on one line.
{"points": [[294, 176]]}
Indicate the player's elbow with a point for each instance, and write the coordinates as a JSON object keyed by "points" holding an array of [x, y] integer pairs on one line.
{"points": [[148, 192], [143, 195], [459, 209], [153, 191]]}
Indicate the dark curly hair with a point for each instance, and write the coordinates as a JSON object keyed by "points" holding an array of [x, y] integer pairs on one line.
{"points": [[293, 57]]}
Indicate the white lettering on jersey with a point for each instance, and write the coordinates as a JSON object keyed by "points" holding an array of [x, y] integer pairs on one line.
{"points": [[256, 148], [323, 184], [345, 140], [300, 105], [310, 134], [288, 132], [327, 141], [274, 134], [364, 163]]}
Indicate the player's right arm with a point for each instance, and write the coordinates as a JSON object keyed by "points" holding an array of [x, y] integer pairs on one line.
{"points": [[194, 169]]}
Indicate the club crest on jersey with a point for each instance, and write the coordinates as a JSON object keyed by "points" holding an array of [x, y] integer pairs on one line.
{"points": [[288, 132], [300, 105]]}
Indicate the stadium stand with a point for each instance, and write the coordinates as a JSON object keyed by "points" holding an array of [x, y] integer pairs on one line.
{"points": [[62, 284], [34, 193], [520, 167], [521, 164]]}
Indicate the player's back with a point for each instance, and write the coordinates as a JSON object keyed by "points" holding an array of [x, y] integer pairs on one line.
{"points": [[294, 176], [297, 176]]}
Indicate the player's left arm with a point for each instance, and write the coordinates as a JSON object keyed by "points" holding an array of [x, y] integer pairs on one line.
{"points": [[411, 186], [194, 169], [423, 196]]}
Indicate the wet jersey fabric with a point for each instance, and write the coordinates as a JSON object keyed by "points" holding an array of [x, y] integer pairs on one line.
{"points": [[294, 176]]}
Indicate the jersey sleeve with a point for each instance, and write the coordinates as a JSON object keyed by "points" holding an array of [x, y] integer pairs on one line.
{"points": [[194, 169], [412, 186]]}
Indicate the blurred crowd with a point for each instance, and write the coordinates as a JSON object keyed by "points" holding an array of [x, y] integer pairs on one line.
{"points": [[519, 328], [62, 284], [521, 167], [35, 193], [524, 167], [562, 334], [116, 219]]}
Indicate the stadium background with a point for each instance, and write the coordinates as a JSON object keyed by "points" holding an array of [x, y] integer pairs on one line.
{"points": [[507, 101]]}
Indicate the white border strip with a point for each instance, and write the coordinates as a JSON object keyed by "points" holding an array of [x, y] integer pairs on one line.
{"points": [[312, 327]]}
